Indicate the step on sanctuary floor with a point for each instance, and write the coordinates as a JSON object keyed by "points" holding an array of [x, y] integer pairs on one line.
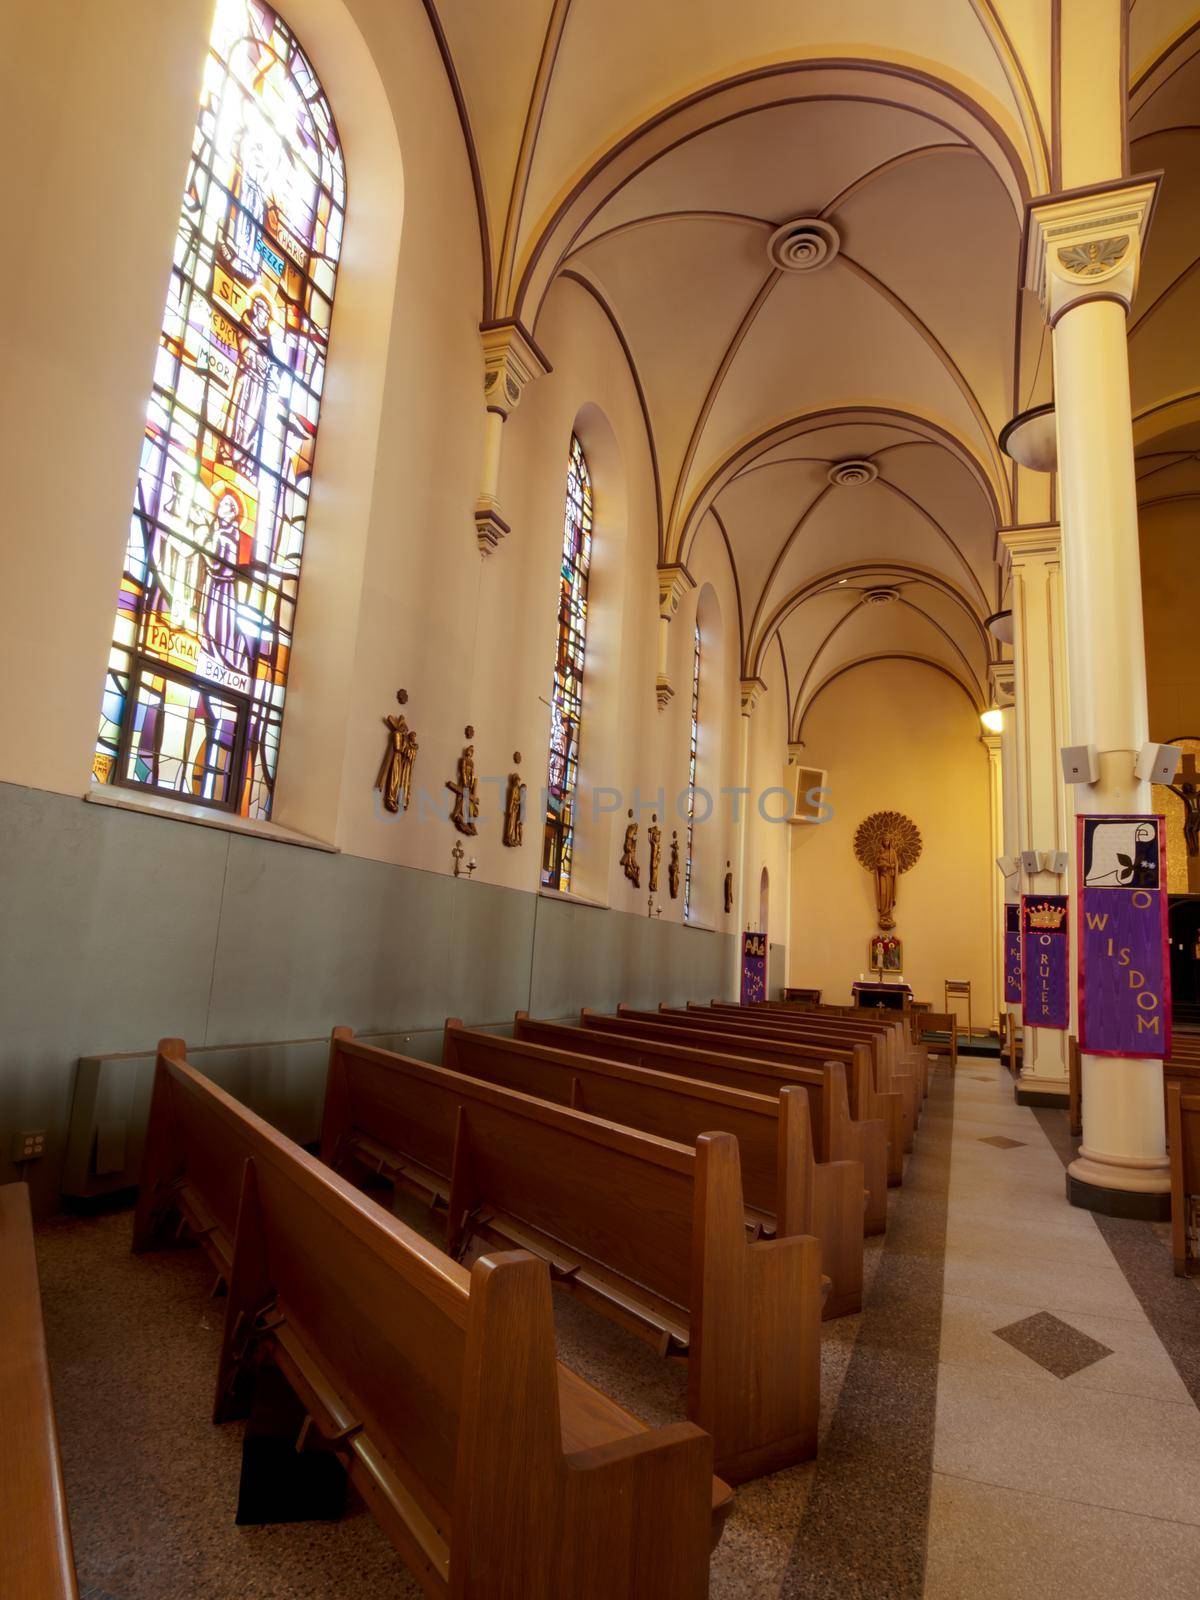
{"points": [[1005, 1419]]}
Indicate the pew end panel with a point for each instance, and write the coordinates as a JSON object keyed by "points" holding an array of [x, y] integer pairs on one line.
{"points": [[656, 1483], [755, 1373], [825, 1200]]}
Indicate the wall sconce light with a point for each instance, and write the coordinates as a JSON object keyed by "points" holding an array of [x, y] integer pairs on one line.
{"points": [[992, 719]]}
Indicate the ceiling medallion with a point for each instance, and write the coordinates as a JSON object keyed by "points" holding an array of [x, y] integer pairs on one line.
{"points": [[881, 596], [805, 245], [849, 474]]}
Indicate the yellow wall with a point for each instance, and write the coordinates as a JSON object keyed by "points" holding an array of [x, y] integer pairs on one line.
{"points": [[1169, 535], [896, 736]]}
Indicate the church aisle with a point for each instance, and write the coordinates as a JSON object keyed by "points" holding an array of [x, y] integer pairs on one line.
{"points": [[1067, 1445]]}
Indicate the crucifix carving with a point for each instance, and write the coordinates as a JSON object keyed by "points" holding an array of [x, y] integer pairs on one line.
{"points": [[1187, 788]]}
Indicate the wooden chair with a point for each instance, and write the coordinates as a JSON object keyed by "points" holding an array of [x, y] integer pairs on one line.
{"points": [[837, 1135], [787, 1189], [494, 1470], [649, 1232], [1183, 1136], [36, 1562], [866, 1100], [959, 989]]}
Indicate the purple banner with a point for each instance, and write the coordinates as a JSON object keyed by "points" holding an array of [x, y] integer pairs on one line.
{"points": [[754, 968], [1012, 953], [1045, 961], [1124, 963]]}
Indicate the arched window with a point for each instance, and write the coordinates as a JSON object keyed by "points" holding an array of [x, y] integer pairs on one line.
{"points": [[566, 694], [193, 701], [693, 750]]}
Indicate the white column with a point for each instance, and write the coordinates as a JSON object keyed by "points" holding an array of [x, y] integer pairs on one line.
{"points": [[992, 744], [751, 692], [1043, 811], [1084, 253]]}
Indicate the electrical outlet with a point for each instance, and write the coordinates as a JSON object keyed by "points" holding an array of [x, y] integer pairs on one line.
{"points": [[30, 1146]]}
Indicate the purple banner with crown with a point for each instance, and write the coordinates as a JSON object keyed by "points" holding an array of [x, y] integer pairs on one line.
{"points": [[1124, 958], [1012, 953], [1045, 961], [754, 968]]}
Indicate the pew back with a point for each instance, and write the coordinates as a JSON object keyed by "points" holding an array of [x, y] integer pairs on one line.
{"points": [[1183, 1135], [35, 1539]]}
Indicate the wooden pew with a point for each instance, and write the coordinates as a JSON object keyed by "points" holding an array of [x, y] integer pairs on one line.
{"points": [[899, 1065], [894, 1103], [903, 1051], [650, 1232], [1183, 1137], [36, 1562], [786, 1189], [866, 1102], [836, 1135], [494, 1470]]}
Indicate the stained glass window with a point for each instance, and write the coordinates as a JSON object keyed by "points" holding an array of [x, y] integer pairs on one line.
{"points": [[193, 700], [693, 747], [566, 694]]}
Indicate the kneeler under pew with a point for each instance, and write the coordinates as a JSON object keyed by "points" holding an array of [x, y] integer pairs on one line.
{"points": [[647, 1231], [496, 1472], [787, 1189]]}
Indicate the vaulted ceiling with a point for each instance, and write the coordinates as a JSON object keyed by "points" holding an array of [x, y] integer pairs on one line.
{"points": [[804, 223]]}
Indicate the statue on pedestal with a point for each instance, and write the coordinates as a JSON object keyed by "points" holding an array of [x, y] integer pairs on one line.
{"points": [[629, 860], [465, 789], [396, 771], [654, 835], [673, 867]]}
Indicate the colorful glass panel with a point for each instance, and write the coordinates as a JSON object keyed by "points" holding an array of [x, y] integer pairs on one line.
{"points": [[566, 694], [693, 747], [193, 700]]}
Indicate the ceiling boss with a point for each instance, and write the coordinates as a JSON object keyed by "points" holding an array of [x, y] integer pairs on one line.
{"points": [[886, 844]]}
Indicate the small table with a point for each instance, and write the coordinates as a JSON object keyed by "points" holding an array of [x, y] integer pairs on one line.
{"points": [[882, 996]]}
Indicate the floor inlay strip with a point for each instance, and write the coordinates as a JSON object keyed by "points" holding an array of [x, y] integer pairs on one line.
{"points": [[864, 1530]]}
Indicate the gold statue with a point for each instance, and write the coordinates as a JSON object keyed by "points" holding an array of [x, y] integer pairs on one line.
{"points": [[673, 867], [514, 808], [887, 843], [465, 790], [396, 770], [629, 860], [654, 834], [728, 887]]}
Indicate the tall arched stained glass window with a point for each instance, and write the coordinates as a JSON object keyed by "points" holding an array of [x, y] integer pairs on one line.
{"points": [[693, 750], [193, 701], [566, 694]]}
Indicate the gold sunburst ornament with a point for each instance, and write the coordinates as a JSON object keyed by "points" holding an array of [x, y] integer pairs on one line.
{"points": [[887, 843]]}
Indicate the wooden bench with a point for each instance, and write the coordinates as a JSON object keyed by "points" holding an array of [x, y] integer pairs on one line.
{"points": [[866, 1102], [836, 1135], [1183, 1137], [898, 1065], [35, 1538], [787, 1189], [903, 1050], [494, 1470], [889, 1099], [650, 1232]]}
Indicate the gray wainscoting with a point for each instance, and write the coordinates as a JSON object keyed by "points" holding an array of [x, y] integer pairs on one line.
{"points": [[119, 928]]}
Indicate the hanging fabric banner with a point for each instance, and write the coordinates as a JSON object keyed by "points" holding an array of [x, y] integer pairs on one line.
{"points": [[754, 968], [1012, 953], [1045, 961], [1124, 962]]}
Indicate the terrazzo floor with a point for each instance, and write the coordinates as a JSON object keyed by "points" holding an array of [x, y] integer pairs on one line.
{"points": [[1003, 1420]]}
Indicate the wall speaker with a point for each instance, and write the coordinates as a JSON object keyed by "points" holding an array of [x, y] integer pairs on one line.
{"points": [[1080, 763], [1053, 861], [1031, 861], [1007, 864], [1157, 763]]}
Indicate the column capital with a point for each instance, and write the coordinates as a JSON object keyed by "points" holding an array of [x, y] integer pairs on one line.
{"points": [[1037, 541], [1002, 682], [795, 755], [991, 743], [511, 361], [674, 581], [1086, 244], [752, 690]]}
